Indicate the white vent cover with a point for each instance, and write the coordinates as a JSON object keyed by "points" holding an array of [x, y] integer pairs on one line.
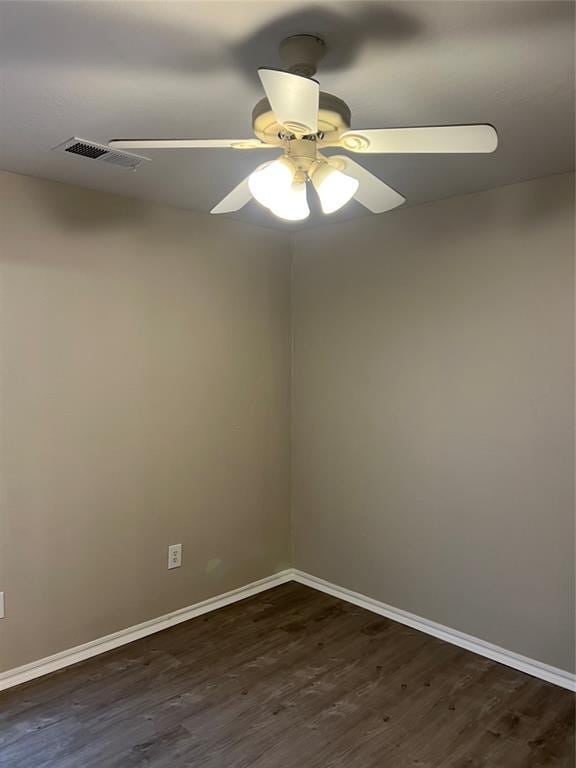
{"points": [[93, 151]]}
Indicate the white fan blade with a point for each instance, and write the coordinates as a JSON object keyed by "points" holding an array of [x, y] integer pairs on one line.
{"points": [[441, 138], [372, 193], [188, 144], [235, 199], [293, 99]]}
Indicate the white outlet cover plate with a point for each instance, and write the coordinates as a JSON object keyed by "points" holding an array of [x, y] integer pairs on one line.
{"points": [[174, 556]]}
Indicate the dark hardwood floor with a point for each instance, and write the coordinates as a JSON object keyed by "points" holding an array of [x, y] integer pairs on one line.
{"points": [[289, 679]]}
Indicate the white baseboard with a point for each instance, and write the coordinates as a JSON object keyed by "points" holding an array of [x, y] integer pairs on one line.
{"points": [[63, 659], [66, 658], [509, 658]]}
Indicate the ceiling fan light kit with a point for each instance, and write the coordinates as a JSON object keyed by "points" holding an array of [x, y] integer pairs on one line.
{"points": [[300, 120], [280, 185]]}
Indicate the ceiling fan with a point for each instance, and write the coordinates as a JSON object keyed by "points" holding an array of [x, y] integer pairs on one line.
{"points": [[301, 120]]}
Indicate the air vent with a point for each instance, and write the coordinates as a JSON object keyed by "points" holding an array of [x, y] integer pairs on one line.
{"points": [[93, 151], [79, 148]]}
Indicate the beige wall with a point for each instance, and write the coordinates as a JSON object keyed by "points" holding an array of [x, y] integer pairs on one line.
{"points": [[145, 357], [433, 420], [144, 400]]}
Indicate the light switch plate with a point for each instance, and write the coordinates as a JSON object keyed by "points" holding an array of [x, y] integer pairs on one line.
{"points": [[1, 605]]}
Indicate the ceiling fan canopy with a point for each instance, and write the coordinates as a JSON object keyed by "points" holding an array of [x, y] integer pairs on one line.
{"points": [[300, 120]]}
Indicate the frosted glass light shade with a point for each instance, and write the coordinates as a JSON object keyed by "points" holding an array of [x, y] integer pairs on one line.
{"points": [[334, 188], [271, 181], [292, 204]]}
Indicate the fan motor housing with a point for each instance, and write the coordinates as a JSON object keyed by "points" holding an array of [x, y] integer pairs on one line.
{"points": [[333, 119]]}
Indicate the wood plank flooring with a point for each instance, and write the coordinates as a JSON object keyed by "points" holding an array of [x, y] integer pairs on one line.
{"points": [[291, 678]]}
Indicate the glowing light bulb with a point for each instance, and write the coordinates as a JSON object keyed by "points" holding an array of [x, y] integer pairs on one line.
{"points": [[292, 204], [334, 188], [270, 181]]}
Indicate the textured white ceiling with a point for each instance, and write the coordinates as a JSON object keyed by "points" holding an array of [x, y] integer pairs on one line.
{"points": [[102, 70]]}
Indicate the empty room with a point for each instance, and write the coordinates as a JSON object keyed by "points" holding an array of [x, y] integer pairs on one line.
{"points": [[287, 372]]}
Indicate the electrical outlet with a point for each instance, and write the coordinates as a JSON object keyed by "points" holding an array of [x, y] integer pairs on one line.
{"points": [[1, 605], [174, 556]]}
